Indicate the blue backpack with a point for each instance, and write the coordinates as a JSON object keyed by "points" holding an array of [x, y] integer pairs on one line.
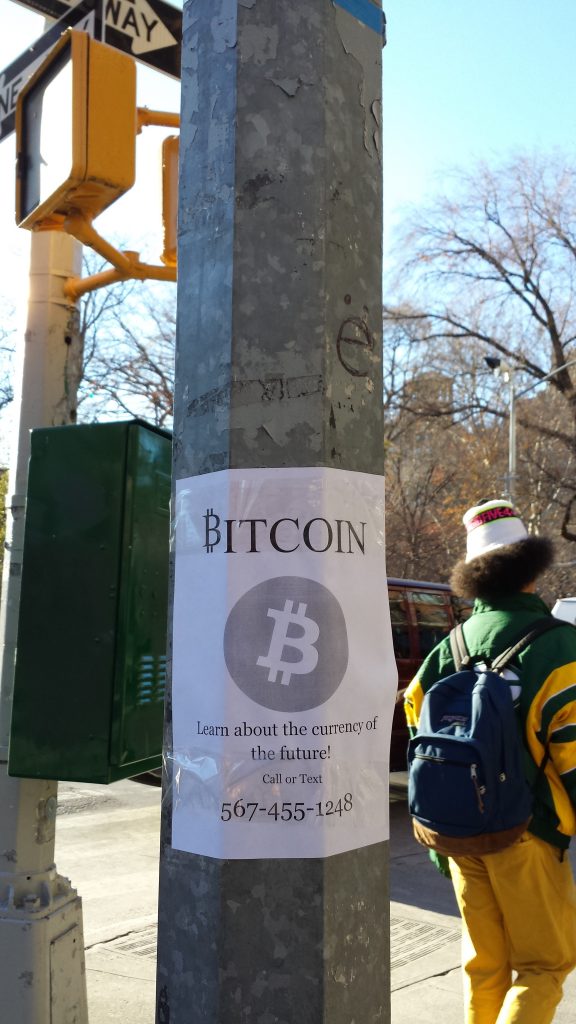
{"points": [[467, 788]]}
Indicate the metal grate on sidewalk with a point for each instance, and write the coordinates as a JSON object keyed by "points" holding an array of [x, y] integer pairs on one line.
{"points": [[136, 943], [409, 940]]}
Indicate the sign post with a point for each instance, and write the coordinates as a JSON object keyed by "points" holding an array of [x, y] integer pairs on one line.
{"points": [[273, 884], [42, 975]]}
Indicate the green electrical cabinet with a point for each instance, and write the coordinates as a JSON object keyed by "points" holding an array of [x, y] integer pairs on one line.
{"points": [[91, 657]]}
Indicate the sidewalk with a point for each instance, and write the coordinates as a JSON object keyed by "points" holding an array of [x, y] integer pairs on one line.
{"points": [[107, 842], [108, 845]]}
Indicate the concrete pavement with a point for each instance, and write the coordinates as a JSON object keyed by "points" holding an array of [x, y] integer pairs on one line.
{"points": [[107, 844]]}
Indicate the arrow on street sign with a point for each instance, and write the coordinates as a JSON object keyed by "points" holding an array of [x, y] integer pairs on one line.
{"points": [[148, 30], [83, 17], [138, 20]]}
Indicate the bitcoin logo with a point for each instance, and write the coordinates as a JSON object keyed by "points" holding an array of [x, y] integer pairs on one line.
{"points": [[211, 542], [286, 643], [281, 639]]}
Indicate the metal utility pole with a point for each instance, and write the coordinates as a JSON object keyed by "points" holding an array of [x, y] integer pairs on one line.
{"points": [[508, 373], [511, 477], [278, 366], [42, 977]]}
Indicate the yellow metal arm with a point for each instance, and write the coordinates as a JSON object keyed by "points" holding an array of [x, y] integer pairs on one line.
{"points": [[161, 118], [125, 265]]}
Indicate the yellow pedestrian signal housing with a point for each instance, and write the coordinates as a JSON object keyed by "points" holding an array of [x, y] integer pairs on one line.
{"points": [[75, 132], [170, 150]]}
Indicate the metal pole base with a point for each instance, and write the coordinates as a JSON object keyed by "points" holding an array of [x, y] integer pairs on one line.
{"points": [[43, 962], [41, 935]]}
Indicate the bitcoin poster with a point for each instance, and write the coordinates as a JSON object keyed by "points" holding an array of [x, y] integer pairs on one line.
{"points": [[283, 674]]}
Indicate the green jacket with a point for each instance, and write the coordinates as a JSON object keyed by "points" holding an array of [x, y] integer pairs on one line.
{"points": [[547, 702]]}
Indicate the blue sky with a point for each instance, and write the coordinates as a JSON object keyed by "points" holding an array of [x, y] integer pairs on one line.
{"points": [[465, 80], [462, 80]]}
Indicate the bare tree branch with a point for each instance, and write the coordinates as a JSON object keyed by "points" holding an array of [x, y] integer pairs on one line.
{"points": [[490, 269]]}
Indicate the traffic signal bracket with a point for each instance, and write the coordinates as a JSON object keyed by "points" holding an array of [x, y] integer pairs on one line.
{"points": [[66, 179], [126, 264]]}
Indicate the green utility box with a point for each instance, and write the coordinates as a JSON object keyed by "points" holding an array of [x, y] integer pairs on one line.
{"points": [[91, 659]]}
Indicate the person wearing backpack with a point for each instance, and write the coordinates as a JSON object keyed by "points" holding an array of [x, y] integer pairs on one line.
{"points": [[492, 772]]}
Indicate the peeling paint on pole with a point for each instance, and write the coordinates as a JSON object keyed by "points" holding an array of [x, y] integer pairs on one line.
{"points": [[278, 365]]}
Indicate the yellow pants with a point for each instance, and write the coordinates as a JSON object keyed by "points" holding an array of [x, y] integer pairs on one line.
{"points": [[519, 936]]}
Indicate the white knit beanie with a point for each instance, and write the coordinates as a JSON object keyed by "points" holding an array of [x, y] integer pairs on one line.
{"points": [[491, 525]]}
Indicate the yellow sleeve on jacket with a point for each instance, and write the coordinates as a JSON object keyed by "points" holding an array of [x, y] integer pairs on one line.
{"points": [[413, 702], [551, 722]]}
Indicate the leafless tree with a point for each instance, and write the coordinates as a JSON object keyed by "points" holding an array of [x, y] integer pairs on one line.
{"points": [[435, 468], [7, 347], [490, 270], [128, 331]]}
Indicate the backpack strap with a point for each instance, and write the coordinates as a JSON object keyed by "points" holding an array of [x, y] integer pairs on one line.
{"points": [[462, 659], [458, 648], [527, 636]]}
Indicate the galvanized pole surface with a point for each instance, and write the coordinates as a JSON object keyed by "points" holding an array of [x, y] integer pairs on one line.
{"points": [[278, 365], [42, 978]]}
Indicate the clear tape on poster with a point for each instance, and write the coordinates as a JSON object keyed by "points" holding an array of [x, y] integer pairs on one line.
{"points": [[201, 787]]}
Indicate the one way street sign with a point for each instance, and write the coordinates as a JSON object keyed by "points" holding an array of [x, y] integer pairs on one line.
{"points": [[83, 17], [148, 30]]}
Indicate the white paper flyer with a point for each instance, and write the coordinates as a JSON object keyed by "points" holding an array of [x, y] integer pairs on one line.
{"points": [[284, 678]]}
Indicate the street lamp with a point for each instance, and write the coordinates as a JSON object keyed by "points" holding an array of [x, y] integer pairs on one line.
{"points": [[499, 366]]}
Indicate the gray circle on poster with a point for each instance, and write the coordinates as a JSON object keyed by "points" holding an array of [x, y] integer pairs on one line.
{"points": [[286, 643]]}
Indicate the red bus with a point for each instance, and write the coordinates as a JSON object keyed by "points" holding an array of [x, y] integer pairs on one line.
{"points": [[421, 614]]}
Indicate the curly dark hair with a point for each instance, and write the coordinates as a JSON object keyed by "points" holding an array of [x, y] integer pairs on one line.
{"points": [[506, 570]]}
